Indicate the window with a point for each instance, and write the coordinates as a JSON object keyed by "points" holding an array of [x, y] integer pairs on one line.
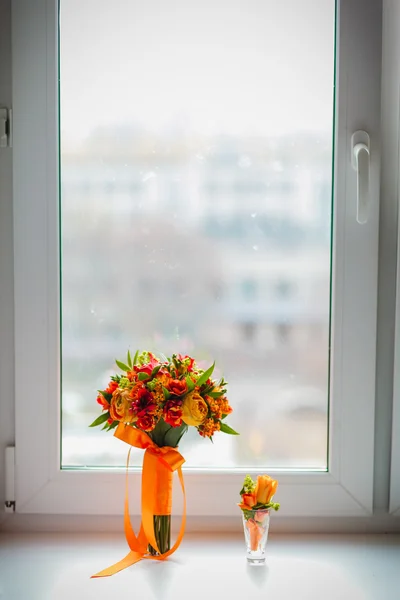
{"points": [[170, 135], [295, 220]]}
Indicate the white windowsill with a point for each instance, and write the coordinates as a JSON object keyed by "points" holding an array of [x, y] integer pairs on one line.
{"points": [[305, 567]]}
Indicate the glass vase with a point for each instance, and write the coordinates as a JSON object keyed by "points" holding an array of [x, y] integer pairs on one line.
{"points": [[162, 533], [256, 526]]}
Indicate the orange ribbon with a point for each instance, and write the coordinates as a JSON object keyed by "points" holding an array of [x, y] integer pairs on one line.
{"points": [[158, 467]]}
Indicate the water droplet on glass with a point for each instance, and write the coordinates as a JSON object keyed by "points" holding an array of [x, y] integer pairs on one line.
{"points": [[199, 157], [255, 247], [253, 215]]}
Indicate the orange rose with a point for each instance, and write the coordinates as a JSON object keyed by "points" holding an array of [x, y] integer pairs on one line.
{"points": [[177, 386], [265, 489], [120, 407], [248, 501]]}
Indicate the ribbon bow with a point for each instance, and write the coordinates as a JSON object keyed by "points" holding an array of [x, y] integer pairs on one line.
{"points": [[159, 463]]}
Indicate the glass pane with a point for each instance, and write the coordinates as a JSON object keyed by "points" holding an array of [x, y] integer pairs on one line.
{"points": [[196, 162]]}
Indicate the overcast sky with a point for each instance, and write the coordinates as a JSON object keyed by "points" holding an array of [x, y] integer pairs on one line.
{"points": [[211, 66]]}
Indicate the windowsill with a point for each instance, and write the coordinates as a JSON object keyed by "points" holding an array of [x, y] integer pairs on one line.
{"points": [[58, 566]]}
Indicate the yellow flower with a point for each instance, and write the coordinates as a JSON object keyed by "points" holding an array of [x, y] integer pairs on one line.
{"points": [[265, 488], [194, 409], [120, 404]]}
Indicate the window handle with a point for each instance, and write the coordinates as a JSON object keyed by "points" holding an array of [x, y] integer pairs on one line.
{"points": [[360, 159]]}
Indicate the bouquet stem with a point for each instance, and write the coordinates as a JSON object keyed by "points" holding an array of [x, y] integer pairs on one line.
{"points": [[162, 532]]}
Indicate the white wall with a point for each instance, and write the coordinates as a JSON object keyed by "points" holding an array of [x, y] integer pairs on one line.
{"points": [[6, 256]]}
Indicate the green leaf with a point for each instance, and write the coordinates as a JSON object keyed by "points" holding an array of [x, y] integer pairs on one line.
{"points": [[224, 416], [167, 395], [100, 419], [113, 425], [135, 357], [173, 436], [143, 376], [155, 371], [216, 394], [207, 389], [203, 378], [129, 359], [105, 395], [122, 366], [226, 429], [159, 432], [190, 383]]}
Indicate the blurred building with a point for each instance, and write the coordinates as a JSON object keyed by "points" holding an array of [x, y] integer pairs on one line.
{"points": [[219, 247]]}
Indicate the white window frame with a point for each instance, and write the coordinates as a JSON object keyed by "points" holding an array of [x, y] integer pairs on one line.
{"points": [[392, 190], [41, 487], [389, 310], [394, 506]]}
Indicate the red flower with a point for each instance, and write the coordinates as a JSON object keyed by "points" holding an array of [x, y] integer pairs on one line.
{"points": [[103, 402], [143, 402], [112, 386], [147, 422], [148, 367], [184, 358], [177, 386], [173, 413]]}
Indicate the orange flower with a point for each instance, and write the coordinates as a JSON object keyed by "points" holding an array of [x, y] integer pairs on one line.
{"points": [[103, 402], [248, 501], [173, 412], [164, 377], [147, 422], [214, 407], [224, 405], [265, 488], [120, 407], [177, 386], [131, 375], [112, 386], [209, 427]]}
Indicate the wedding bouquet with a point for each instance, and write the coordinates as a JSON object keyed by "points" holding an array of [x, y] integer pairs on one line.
{"points": [[163, 396], [150, 406]]}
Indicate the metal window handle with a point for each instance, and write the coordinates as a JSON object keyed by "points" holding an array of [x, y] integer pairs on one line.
{"points": [[360, 159]]}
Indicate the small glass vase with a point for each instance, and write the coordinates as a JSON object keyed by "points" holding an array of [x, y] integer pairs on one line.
{"points": [[256, 526]]}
